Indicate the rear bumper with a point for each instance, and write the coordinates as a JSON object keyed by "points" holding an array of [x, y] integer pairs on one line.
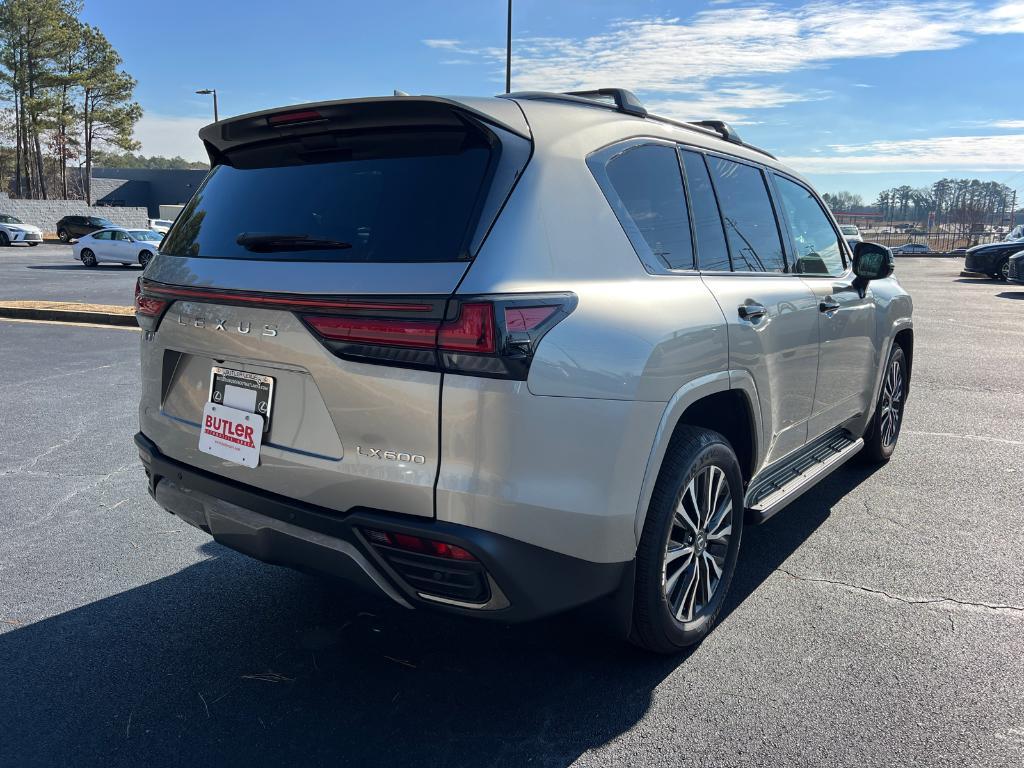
{"points": [[523, 581]]}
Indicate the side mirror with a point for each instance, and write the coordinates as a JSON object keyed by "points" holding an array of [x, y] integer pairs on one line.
{"points": [[872, 261]]}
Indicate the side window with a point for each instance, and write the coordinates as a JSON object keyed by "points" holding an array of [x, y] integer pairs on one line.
{"points": [[102, 236], [649, 186], [749, 219], [712, 252], [120, 236], [817, 246]]}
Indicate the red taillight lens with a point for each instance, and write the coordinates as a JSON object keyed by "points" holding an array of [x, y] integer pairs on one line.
{"points": [[472, 331], [418, 544], [290, 118], [147, 305], [527, 318], [421, 334]]}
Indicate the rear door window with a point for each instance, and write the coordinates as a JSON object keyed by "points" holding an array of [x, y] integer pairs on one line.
{"points": [[649, 186], [748, 215], [712, 252], [386, 199]]}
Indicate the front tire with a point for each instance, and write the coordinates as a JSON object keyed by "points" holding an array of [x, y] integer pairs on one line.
{"points": [[690, 542], [4, 240], [144, 258], [88, 257], [63, 236], [880, 439], [1003, 270]]}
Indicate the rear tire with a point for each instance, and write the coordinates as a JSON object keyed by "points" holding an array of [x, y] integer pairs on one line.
{"points": [[880, 439], [4, 240], [88, 257], [144, 258], [32, 245], [63, 236], [690, 542]]}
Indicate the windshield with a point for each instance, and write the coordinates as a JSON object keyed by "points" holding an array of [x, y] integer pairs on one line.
{"points": [[5, 219], [98, 222], [403, 200], [145, 234]]}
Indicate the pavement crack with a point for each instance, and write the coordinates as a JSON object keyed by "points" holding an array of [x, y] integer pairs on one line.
{"points": [[28, 465], [950, 602]]}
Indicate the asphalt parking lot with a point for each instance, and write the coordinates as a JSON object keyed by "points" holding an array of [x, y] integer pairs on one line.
{"points": [[48, 272], [878, 621]]}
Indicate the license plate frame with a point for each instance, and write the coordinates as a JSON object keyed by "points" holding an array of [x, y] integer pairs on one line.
{"points": [[262, 385]]}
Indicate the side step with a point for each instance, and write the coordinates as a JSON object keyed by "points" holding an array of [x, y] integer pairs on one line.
{"points": [[785, 483]]}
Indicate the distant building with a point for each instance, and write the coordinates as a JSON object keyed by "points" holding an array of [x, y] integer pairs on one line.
{"points": [[146, 187]]}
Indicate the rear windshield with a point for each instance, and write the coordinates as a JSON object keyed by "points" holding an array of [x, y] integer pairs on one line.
{"points": [[402, 202]]}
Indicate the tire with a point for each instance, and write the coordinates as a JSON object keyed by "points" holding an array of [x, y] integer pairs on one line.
{"points": [[63, 235], [88, 257], [144, 258], [32, 245], [676, 606], [4, 240], [1002, 270], [882, 435]]}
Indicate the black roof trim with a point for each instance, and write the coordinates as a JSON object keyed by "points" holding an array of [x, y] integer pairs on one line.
{"points": [[626, 101]]}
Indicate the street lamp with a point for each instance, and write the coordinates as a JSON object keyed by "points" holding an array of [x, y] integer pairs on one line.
{"points": [[207, 92]]}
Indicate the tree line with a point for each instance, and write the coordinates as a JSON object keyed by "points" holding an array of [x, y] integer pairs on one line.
{"points": [[64, 99], [966, 204]]}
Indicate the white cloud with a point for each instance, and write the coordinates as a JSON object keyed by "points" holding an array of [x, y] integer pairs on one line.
{"points": [[171, 136], [1009, 124], [725, 101], [690, 62], [941, 154]]}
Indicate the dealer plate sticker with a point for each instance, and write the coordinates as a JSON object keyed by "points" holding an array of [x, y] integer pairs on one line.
{"points": [[231, 434]]}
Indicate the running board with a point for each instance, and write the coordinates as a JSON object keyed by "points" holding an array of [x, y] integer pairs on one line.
{"points": [[769, 496]]}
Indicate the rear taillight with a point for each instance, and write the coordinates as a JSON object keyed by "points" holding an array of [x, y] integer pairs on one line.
{"points": [[148, 309], [492, 336]]}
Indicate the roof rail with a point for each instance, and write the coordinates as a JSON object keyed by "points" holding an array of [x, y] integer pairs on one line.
{"points": [[625, 101]]}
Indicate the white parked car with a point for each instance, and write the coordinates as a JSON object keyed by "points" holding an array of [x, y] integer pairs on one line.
{"points": [[160, 225], [122, 246], [13, 230]]}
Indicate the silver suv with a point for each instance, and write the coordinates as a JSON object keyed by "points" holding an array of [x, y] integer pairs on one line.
{"points": [[507, 356]]}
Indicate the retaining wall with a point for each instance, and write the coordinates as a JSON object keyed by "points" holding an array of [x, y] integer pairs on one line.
{"points": [[45, 213]]}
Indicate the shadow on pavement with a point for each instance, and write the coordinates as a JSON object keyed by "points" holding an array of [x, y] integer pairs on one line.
{"points": [[232, 662], [1011, 294]]}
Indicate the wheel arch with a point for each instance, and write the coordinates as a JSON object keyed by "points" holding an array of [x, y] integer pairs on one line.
{"points": [[725, 402]]}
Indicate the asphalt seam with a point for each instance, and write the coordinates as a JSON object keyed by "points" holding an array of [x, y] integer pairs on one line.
{"points": [[996, 607]]}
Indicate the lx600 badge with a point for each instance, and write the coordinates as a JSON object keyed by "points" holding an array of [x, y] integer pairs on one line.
{"points": [[377, 453]]}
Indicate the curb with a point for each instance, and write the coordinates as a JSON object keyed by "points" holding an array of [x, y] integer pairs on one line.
{"points": [[69, 315]]}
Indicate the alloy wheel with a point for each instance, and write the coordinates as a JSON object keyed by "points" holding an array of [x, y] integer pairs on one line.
{"points": [[1004, 269], [892, 403], [698, 542]]}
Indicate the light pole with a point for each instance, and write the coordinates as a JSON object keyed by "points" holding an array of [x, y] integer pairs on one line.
{"points": [[207, 92]]}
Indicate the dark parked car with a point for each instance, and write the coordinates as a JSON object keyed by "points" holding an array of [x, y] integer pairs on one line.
{"points": [[992, 259], [75, 226], [1015, 267]]}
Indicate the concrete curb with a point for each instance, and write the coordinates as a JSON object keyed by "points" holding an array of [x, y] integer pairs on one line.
{"points": [[98, 317]]}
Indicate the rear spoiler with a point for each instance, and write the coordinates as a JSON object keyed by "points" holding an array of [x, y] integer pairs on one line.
{"points": [[348, 114]]}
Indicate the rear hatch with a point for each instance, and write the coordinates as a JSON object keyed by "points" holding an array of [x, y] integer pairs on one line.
{"points": [[321, 233]]}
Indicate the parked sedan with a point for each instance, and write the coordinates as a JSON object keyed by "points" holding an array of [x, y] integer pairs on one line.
{"points": [[992, 259], [1015, 267], [121, 246], [160, 225], [13, 230], [910, 249], [71, 227]]}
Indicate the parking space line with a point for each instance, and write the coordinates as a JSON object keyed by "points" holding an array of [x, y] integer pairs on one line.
{"points": [[77, 325]]}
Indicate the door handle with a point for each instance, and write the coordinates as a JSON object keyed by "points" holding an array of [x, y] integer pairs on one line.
{"points": [[828, 304], [752, 311]]}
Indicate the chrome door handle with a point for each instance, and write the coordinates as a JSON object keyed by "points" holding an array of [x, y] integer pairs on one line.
{"points": [[752, 311], [828, 304]]}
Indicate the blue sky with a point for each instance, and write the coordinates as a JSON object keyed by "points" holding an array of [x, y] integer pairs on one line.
{"points": [[858, 95]]}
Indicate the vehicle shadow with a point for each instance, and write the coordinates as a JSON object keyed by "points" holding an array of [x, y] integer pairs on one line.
{"points": [[229, 661], [1011, 294]]}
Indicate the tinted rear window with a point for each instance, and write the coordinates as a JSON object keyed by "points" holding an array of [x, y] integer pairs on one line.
{"points": [[405, 202]]}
